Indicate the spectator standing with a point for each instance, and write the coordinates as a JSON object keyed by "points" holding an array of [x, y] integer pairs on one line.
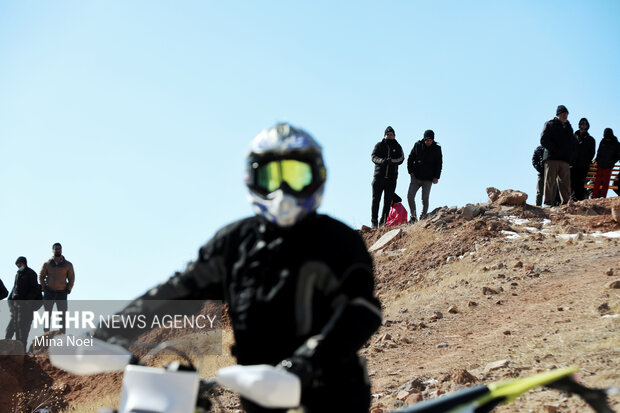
{"points": [[398, 213], [424, 166], [386, 156], [606, 157], [298, 284], [539, 165], [559, 142], [25, 289], [583, 158], [56, 277]]}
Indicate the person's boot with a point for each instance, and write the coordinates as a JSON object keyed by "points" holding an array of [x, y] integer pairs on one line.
{"points": [[374, 224], [413, 219]]}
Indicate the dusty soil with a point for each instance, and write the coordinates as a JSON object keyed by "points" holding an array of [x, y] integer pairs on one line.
{"points": [[550, 295], [457, 295]]}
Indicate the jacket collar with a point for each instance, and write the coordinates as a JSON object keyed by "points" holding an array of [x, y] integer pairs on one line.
{"points": [[62, 260]]}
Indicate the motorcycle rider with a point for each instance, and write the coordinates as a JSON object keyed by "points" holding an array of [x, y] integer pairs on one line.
{"points": [[299, 285]]}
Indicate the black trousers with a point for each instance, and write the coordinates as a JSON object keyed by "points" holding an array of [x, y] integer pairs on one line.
{"points": [[387, 188], [577, 180], [60, 299], [20, 323]]}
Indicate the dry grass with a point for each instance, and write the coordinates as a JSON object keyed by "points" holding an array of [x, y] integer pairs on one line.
{"points": [[418, 239]]}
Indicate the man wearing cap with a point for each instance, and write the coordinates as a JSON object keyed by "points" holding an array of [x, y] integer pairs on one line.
{"points": [[424, 166], [386, 156], [585, 149], [24, 288], [56, 277], [559, 142]]}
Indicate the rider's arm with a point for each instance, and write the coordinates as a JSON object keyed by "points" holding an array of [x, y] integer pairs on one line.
{"points": [[357, 313], [201, 280]]}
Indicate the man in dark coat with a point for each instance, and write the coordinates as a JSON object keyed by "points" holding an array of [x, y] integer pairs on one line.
{"points": [[386, 156], [24, 290], [424, 166], [559, 142], [583, 158]]}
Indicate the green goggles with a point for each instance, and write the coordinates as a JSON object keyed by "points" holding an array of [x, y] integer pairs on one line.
{"points": [[298, 175]]}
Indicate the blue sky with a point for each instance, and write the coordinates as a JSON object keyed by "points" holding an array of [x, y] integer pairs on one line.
{"points": [[123, 125]]}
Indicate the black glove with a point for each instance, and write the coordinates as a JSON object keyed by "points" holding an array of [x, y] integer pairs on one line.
{"points": [[301, 367]]}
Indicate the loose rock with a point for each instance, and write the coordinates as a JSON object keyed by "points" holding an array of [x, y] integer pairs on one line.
{"points": [[499, 364], [489, 291], [464, 377], [603, 308]]}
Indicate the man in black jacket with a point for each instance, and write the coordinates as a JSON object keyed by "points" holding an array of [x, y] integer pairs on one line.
{"points": [[424, 166], [584, 154], [559, 142], [299, 285], [24, 290], [386, 156]]}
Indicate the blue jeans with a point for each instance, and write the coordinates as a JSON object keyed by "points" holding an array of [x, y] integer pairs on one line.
{"points": [[60, 298]]}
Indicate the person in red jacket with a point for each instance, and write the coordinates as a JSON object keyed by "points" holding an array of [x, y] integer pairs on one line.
{"points": [[398, 213]]}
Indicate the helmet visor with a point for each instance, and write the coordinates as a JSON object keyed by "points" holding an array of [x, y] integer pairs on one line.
{"points": [[297, 175]]}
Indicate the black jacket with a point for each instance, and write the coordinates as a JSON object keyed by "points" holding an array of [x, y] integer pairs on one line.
{"points": [[425, 162], [25, 286], [386, 156], [608, 152], [537, 159], [586, 147], [558, 140], [282, 287]]}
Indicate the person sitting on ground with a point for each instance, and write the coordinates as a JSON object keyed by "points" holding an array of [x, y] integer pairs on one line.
{"points": [[398, 213], [606, 157]]}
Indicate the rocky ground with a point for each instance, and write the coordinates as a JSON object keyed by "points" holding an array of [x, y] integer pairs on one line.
{"points": [[471, 294], [472, 298]]}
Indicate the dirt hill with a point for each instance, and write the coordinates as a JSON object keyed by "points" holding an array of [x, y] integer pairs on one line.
{"points": [[523, 286], [472, 294]]}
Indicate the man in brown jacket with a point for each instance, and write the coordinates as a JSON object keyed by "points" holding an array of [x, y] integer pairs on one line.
{"points": [[56, 277]]}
